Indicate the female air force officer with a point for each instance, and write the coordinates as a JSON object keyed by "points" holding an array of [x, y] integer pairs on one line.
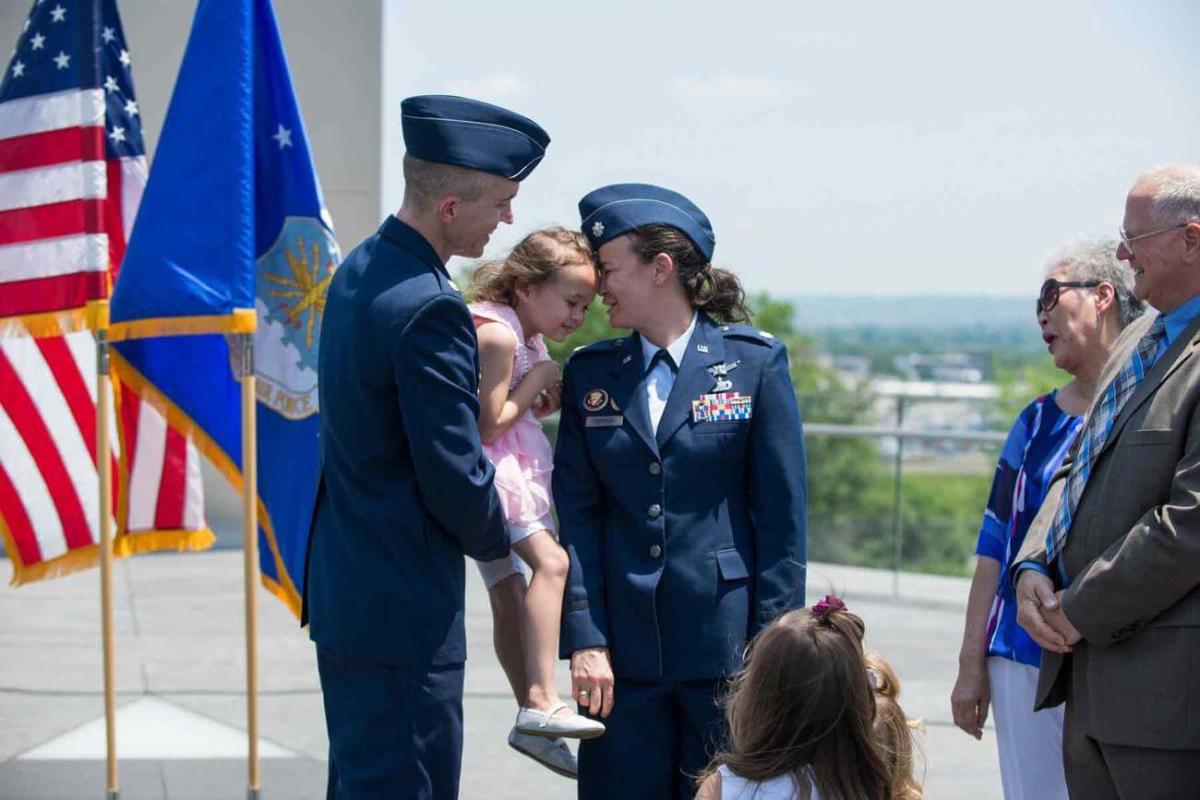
{"points": [[680, 486]]}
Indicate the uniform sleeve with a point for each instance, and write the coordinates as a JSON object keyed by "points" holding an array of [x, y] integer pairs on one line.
{"points": [[778, 494], [434, 363], [578, 498]]}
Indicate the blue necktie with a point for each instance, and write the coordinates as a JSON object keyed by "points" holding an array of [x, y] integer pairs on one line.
{"points": [[1097, 429], [662, 372]]}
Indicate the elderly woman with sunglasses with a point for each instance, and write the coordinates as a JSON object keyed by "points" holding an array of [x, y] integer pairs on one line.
{"points": [[1085, 302]]}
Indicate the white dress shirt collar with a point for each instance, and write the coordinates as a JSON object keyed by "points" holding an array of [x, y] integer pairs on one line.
{"points": [[675, 349]]}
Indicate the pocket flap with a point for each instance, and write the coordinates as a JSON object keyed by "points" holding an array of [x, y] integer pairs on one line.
{"points": [[1147, 436], [731, 565]]}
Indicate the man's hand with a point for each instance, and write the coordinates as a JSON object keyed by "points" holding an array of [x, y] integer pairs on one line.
{"points": [[592, 680], [1039, 613], [1058, 618], [971, 696]]}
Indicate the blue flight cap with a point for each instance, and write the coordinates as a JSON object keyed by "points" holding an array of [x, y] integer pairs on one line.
{"points": [[472, 134], [613, 210]]}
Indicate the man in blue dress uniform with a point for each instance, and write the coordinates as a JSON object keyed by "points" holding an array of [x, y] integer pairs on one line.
{"points": [[679, 481], [405, 487]]}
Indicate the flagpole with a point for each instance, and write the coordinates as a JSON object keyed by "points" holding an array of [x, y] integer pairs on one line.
{"points": [[250, 554], [104, 469]]}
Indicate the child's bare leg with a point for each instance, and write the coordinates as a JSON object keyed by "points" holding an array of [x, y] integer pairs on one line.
{"points": [[541, 615], [507, 598]]}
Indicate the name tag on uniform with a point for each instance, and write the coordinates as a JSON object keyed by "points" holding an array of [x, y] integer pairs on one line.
{"points": [[722, 407], [611, 421]]}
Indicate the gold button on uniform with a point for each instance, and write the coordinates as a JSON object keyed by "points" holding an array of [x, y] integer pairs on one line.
{"points": [[656, 468], [654, 510], [655, 551]]}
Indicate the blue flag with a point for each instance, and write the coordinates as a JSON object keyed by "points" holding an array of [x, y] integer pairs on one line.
{"points": [[233, 237]]}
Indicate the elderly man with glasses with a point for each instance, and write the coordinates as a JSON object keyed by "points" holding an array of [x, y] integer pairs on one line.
{"points": [[1108, 580]]}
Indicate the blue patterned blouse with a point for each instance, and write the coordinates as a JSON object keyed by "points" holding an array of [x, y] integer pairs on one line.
{"points": [[1035, 448]]}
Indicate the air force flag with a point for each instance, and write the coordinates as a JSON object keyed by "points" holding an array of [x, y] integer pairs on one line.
{"points": [[233, 237]]}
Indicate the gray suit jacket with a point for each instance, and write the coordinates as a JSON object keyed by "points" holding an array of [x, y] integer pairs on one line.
{"points": [[1133, 557]]}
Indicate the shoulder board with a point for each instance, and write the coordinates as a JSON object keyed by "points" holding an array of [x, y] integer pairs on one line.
{"points": [[748, 333]]}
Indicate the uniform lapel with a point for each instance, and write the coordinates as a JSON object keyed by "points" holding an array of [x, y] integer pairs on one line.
{"points": [[1179, 351], [706, 348], [629, 389]]}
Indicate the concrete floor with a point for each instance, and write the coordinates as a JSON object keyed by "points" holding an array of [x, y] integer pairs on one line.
{"points": [[180, 643]]}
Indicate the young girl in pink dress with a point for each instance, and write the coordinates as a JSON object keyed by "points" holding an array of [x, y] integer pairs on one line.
{"points": [[543, 288]]}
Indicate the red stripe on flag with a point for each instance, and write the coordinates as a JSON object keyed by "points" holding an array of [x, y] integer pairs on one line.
{"points": [[113, 224], [68, 218], [75, 391], [131, 407], [52, 147], [169, 514], [17, 520], [29, 424], [56, 293]]}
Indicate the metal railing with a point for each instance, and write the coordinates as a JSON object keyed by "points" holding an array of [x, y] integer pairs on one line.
{"points": [[901, 435]]}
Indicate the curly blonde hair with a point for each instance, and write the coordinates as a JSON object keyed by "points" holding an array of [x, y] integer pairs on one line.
{"points": [[534, 260]]}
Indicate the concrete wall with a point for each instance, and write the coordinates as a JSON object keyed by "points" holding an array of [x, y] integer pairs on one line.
{"points": [[335, 51]]}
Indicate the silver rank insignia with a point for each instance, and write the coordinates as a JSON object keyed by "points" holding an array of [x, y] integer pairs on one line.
{"points": [[598, 229], [720, 373]]}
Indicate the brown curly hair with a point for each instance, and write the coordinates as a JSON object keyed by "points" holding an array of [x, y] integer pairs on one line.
{"points": [[716, 292], [534, 260]]}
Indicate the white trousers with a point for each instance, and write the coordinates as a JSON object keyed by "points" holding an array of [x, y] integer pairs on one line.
{"points": [[1030, 743]]}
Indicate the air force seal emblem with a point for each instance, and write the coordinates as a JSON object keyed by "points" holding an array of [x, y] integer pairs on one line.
{"points": [[292, 278]]}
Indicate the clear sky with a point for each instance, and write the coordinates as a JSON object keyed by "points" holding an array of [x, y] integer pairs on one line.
{"points": [[847, 148]]}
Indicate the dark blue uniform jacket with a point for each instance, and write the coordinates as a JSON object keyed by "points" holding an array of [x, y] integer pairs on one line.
{"points": [[405, 489], [685, 543]]}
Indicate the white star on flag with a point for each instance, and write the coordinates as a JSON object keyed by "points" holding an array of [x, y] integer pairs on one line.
{"points": [[37, 41], [118, 134], [18, 69], [58, 14], [124, 57], [108, 35], [283, 136], [62, 59], [131, 108], [25, 27], [110, 83]]}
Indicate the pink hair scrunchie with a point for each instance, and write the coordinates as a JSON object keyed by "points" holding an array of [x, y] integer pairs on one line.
{"points": [[828, 603]]}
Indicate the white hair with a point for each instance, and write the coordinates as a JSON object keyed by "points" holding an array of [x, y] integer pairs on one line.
{"points": [[1095, 259], [1176, 197]]}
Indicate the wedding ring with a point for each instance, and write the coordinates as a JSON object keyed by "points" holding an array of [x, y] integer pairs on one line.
{"points": [[583, 694]]}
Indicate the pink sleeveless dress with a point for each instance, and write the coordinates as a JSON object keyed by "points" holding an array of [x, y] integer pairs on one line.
{"points": [[521, 455]]}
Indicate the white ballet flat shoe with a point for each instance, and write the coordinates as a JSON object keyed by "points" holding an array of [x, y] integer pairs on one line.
{"points": [[551, 724], [553, 754]]}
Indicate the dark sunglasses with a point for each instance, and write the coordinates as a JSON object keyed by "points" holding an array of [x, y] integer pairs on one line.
{"points": [[1048, 297]]}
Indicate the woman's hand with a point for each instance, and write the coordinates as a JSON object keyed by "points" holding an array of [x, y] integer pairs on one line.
{"points": [[592, 680], [971, 697]]}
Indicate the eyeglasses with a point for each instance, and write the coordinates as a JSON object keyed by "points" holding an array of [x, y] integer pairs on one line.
{"points": [[1048, 297], [1128, 240]]}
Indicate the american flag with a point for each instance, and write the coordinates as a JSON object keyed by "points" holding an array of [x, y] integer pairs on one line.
{"points": [[72, 170]]}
